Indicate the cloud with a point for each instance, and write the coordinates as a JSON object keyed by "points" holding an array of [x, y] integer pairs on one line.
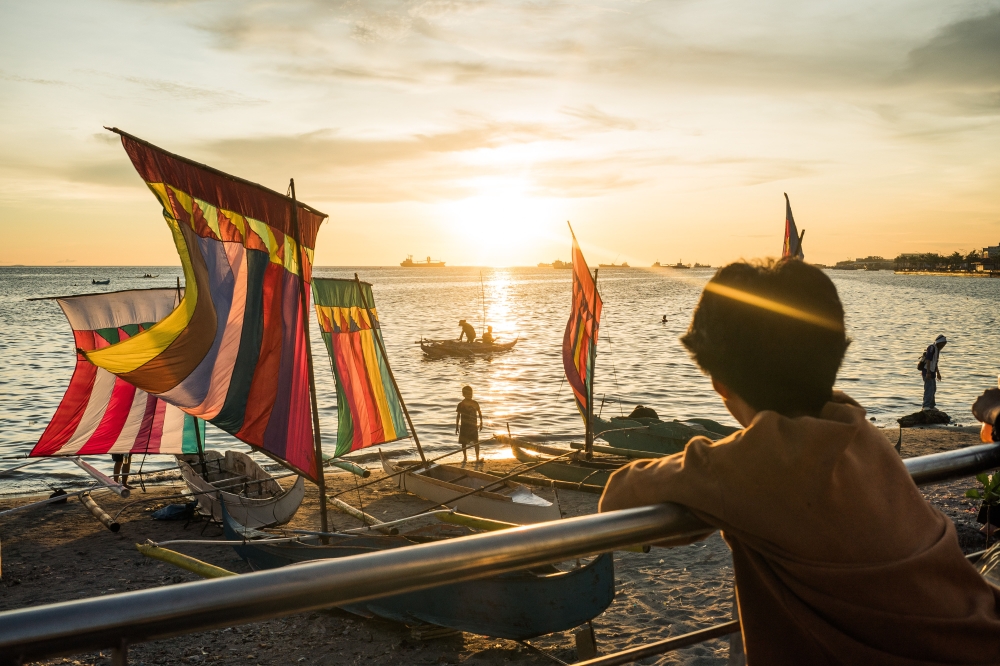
{"points": [[24, 79], [966, 53], [594, 116]]}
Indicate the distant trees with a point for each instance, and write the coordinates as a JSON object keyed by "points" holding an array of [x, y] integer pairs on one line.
{"points": [[931, 261]]}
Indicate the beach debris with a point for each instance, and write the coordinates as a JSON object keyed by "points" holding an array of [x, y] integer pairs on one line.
{"points": [[924, 417]]}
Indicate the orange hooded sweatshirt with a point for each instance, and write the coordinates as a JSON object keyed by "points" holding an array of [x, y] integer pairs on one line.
{"points": [[838, 558]]}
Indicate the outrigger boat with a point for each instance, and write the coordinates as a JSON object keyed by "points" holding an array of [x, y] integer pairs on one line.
{"points": [[572, 469], [455, 348], [235, 481], [517, 605], [505, 501], [655, 436]]}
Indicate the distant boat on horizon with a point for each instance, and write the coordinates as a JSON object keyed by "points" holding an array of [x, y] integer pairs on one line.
{"points": [[624, 264], [679, 265], [428, 263], [697, 265]]}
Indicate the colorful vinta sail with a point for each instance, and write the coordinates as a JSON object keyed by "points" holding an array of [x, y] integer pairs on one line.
{"points": [[792, 247], [580, 339], [369, 409], [101, 413], [234, 351]]}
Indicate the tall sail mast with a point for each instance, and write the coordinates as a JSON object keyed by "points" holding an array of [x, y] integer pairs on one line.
{"points": [[385, 356], [589, 440], [317, 438]]}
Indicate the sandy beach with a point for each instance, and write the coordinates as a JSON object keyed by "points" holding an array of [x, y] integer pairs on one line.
{"points": [[60, 553]]}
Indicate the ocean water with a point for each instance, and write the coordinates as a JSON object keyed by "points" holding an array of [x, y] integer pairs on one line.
{"points": [[891, 319]]}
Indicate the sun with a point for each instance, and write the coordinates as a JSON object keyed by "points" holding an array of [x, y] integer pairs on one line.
{"points": [[502, 222]]}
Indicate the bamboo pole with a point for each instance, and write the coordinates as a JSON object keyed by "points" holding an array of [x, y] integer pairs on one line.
{"points": [[103, 478], [99, 513], [589, 446], [487, 525], [377, 334], [317, 437], [203, 569], [362, 516]]}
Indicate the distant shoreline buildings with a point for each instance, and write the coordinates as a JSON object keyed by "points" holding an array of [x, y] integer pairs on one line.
{"points": [[985, 261]]}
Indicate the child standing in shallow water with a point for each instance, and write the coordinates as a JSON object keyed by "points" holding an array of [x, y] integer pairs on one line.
{"points": [[468, 422]]}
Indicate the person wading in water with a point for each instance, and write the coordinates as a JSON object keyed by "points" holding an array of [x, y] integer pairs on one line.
{"points": [[928, 367], [838, 558], [468, 422], [467, 331]]}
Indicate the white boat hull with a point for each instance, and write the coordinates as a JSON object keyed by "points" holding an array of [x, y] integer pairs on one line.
{"points": [[506, 501], [254, 498]]}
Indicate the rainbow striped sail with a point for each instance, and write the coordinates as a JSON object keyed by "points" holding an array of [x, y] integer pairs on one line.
{"points": [[101, 413], [580, 339], [233, 352], [369, 409]]}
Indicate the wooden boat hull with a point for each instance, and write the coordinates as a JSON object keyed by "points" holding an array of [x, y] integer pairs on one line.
{"points": [[456, 349], [592, 473], [256, 505], [654, 435], [508, 502], [516, 606]]}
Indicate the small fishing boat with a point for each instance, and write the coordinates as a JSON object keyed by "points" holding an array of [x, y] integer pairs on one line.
{"points": [[654, 435], [235, 480], [517, 605], [455, 348], [505, 501], [108, 281], [573, 469], [149, 275]]}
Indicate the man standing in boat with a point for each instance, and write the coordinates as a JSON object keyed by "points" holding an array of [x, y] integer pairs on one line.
{"points": [[468, 422], [467, 331], [837, 556]]}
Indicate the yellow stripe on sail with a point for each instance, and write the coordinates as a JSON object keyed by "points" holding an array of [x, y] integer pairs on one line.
{"points": [[135, 352], [375, 379]]}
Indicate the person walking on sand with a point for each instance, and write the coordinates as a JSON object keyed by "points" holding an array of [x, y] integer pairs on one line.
{"points": [[930, 370], [467, 331], [123, 463], [468, 422], [837, 556]]}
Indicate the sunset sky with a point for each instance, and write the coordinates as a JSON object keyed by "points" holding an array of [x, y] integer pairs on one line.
{"points": [[471, 131]]}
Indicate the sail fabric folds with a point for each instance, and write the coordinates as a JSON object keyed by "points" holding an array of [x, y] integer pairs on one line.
{"points": [[100, 412], [369, 409], [792, 247], [233, 351], [580, 339]]}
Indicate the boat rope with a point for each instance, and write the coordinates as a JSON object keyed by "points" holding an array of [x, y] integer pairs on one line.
{"points": [[542, 652], [395, 474], [611, 351]]}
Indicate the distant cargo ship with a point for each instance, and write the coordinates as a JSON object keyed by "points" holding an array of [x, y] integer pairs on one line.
{"points": [[697, 265], [624, 264], [556, 264], [428, 263], [678, 265]]}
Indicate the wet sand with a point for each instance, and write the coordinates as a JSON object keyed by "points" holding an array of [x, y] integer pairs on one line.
{"points": [[60, 552]]}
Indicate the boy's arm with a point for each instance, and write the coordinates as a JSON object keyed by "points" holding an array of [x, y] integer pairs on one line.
{"points": [[458, 417], [480, 412]]}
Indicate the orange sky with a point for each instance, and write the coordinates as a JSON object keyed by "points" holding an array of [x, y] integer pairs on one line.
{"points": [[471, 131]]}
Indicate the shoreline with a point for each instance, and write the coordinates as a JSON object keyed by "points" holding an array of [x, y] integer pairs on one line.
{"points": [[971, 274]]}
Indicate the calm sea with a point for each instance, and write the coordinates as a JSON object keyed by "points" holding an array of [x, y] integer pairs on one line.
{"points": [[891, 319]]}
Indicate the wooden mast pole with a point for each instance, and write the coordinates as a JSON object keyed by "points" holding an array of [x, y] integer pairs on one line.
{"points": [[303, 294], [385, 357], [589, 441]]}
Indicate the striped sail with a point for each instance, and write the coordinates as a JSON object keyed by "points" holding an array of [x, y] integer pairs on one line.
{"points": [[369, 409], [580, 338], [233, 352], [100, 412], [792, 245]]}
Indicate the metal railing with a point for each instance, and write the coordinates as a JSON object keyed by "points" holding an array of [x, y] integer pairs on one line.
{"points": [[115, 621]]}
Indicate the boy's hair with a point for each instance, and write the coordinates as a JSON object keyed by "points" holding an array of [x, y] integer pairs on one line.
{"points": [[772, 332], [467, 391]]}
